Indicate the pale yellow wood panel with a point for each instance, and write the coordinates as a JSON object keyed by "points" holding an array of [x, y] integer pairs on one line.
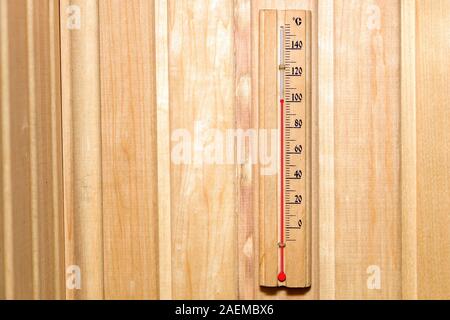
{"points": [[4, 156], [80, 76], [409, 150], [274, 293], [130, 211], [244, 166], [367, 164], [202, 97], [433, 151], [325, 114], [163, 145], [32, 233]]}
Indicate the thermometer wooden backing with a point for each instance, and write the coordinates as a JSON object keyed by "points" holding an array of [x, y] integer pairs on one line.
{"points": [[285, 105]]}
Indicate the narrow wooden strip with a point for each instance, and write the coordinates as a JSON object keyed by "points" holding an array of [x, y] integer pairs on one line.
{"points": [[327, 264], [409, 150], [244, 151], [82, 147], [163, 112], [314, 213], [7, 206], [56, 150], [33, 147], [129, 127], [3, 103]]}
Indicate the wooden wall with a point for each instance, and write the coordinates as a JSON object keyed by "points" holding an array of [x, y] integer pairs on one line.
{"points": [[86, 171]]}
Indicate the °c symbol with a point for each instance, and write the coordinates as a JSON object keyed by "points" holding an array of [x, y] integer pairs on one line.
{"points": [[298, 21]]}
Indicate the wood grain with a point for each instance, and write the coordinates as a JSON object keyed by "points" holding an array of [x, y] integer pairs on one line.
{"points": [[202, 80], [367, 144], [80, 76], [16, 152], [433, 147], [5, 208], [326, 113], [31, 156], [163, 136], [244, 113], [128, 87], [409, 151], [46, 143], [142, 226]]}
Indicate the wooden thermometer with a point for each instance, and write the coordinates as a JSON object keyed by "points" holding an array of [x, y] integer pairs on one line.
{"points": [[285, 105]]}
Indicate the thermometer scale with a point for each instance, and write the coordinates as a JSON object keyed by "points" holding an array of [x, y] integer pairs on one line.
{"points": [[285, 105]]}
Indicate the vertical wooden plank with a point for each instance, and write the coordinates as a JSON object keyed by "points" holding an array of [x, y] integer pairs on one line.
{"points": [[244, 189], [256, 6], [201, 60], [31, 151], [46, 148], [16, 153], [327, 264], [7, 203], [4, 109], [128, 86], [82, 146], [33, 147], [163, 136], [57, 151], [367, 144], [433, 152], [409, 150]]}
